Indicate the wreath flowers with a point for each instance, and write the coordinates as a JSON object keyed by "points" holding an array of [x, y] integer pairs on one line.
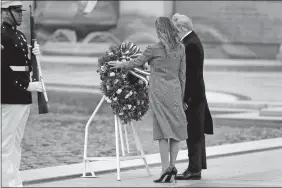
{"points": [[127, 94]]}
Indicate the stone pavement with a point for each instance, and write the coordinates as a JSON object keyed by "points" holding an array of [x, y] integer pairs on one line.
{"points": [[259, 169], [73, 171]]}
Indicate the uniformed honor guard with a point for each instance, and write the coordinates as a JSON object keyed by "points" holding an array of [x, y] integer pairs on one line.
{"points": [[16, 89]]}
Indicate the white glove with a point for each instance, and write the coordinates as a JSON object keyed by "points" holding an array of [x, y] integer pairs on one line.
{"points": [[35, 86], [36, 49]]}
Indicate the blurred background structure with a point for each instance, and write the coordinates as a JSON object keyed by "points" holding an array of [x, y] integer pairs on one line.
{"points": [[228, 29]]}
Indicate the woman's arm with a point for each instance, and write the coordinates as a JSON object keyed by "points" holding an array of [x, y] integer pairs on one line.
{"points": [[141, 60]]}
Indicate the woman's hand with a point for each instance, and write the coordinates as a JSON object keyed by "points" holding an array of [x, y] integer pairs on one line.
{"points": [[115, 64]]}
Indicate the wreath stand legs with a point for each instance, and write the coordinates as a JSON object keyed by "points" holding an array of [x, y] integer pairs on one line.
{"points": [[118, 136]]}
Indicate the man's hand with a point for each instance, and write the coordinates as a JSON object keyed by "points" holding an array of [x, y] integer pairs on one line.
{"points": [[36, 49], [185, 106], [35, 86]]}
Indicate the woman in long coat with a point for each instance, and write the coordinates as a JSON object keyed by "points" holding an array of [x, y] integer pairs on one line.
{"points": [[166, 91]]}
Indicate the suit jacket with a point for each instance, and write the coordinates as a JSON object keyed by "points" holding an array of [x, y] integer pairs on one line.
{"points": [[195, 86]]}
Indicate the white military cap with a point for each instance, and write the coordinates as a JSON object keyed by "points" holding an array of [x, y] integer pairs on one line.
{"points": [[11, 4]]}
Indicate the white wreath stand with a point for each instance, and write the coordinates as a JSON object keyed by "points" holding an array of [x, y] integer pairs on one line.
{"points": [[118, 135]]}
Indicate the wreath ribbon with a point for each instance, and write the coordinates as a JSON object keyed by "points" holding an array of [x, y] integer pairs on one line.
{"points": [[141, 71], [130, 51], [139, 76]]}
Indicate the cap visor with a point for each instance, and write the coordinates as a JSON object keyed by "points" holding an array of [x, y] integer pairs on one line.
{"points": [[19, 9]]}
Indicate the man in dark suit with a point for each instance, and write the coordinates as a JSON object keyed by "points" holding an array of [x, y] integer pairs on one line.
{"points": [[195, 102]]}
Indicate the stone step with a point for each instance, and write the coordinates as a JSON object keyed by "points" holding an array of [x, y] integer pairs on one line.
{"points": [[239, 104], [73, 60], [247, 119], [216, 111], [230, 110], [238, 51], [90, 57], [75, 49], [272, 112], [243, 68], [78, 49]]}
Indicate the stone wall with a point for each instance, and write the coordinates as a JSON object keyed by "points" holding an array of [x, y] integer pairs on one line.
{"points": [[148, 8], [242, 21], [255, 24], [229, 29]]}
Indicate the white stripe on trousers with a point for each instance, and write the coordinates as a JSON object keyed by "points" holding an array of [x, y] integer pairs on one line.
{"points": [[14, 118]]}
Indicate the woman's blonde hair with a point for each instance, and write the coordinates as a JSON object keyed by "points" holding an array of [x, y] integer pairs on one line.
{"points": [[168, 34]]}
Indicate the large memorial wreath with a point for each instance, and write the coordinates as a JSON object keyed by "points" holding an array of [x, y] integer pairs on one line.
{"points": [[127, 94]]}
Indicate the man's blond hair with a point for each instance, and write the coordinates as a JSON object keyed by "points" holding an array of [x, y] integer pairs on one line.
{"points": [[182, 22]]}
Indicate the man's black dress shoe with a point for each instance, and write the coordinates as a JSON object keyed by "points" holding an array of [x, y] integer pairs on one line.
{"points": [[187, 175]]}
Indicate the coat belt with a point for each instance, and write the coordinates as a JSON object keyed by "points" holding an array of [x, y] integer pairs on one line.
{"points": [[20, 68]]}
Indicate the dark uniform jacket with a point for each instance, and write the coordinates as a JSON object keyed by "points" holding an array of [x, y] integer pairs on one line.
{"points": [[15, 66]]}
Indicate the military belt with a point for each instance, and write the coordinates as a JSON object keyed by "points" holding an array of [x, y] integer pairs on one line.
{"points": [[20, 68]]}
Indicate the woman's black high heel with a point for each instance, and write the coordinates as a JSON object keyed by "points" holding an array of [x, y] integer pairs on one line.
{"points": [[171, 177], [164, 176]]}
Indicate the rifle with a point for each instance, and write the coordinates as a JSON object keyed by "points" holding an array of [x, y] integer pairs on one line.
{"points": [[37, 73]]}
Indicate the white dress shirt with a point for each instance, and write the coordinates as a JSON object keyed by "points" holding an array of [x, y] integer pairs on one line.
{"points": [[186, 35]]}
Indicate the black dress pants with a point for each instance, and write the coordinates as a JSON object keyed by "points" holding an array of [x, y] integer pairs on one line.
{"points": [[196, 137]]}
